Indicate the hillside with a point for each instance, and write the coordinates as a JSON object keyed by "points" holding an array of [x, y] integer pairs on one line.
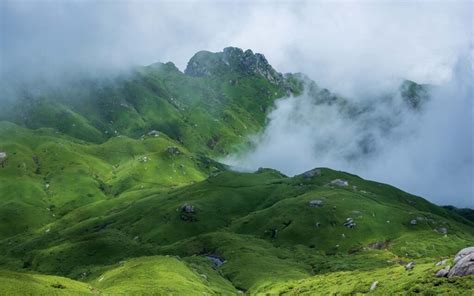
{"points": [[112, 186]]}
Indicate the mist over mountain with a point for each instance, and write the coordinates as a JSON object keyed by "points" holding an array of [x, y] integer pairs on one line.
{"points": [[413, 137], [323, 40], [236, 148]]}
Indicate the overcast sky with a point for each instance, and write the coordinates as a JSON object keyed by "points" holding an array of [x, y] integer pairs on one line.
{"points": [[354, 48]]}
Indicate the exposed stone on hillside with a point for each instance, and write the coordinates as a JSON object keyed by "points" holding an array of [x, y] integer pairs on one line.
{"points": [[350, 223], [187, 208], [316, 203], [173, 150], [463, 264], [154, 133], [232, 59], [312, 173], [463, 267], [3, 157], [443, 272], [340, 183]]}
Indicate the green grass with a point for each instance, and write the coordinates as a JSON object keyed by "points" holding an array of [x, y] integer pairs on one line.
{"points": [[91, 204]]}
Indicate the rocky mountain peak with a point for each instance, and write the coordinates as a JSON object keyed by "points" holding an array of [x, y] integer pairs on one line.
{"points": [[232, 60]]}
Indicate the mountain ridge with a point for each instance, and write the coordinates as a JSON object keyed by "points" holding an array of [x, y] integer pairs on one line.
{"points": [[112, 187]]}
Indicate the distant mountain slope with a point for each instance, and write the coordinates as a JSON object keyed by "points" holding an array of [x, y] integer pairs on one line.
{"points": [[112, 184]]}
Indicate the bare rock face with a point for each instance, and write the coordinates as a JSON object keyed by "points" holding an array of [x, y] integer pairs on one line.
{"points": [[312, 173], [463, 266], [232, 59]]}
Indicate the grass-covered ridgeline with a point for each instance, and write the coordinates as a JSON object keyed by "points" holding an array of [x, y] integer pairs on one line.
{"points": [[110, 188]]}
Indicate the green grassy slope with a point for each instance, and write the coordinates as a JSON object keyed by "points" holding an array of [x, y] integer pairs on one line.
{"points": [[91, 203], [260, 223]]}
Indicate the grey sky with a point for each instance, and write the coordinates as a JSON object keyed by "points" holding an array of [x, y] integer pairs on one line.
{"points": [[351, 47]]}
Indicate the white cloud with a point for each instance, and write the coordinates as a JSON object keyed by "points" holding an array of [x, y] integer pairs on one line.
{"points": [[355, 48]]}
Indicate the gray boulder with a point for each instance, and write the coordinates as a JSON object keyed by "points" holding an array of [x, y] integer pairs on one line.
{"points": [[410, 265], [463, 253], [374, 285], [316, 203], [3, 155], [463, 267], [154, 133], [413, 222], [340, 183], [442, 262], [350, 223], [463, 263], [443, 272], [187, 208]]}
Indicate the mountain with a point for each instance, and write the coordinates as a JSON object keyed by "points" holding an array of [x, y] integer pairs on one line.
{"points": [[112, 186]]}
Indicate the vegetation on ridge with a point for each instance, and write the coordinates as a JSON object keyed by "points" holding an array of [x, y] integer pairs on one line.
{"points": [[110, 187]]}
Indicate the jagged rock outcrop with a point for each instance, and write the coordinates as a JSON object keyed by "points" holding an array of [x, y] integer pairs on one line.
{"points": [[232, 59]]}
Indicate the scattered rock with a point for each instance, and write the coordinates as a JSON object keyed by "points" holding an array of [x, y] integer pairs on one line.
{"points": [[340, 183], [377, 245], [443, 272], [218, 261], [318, 224], [410, 265], [154, 133], [374, 285], [316, 203], [144, 159], [442, 230], [173, 150], [3, 157], [188, 213], [442, 262], [312, 173], [350, 223], [413, 222], [187, 208]]}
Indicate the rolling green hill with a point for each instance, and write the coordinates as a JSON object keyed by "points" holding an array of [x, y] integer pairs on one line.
{"points": [[110, 187]]}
